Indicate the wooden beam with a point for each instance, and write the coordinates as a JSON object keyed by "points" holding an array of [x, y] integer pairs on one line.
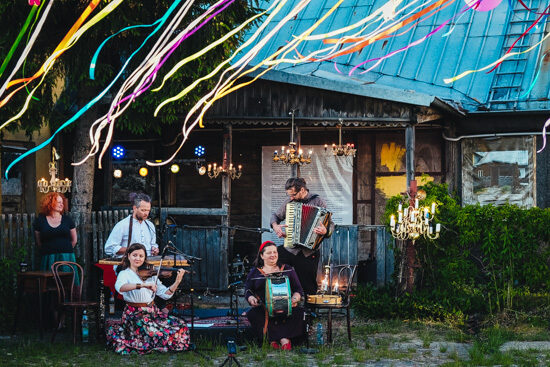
{"points": [[194, 211], [225, 250]]}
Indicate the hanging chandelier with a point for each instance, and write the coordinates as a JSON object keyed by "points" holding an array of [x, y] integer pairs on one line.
{"points": [[292, 154], [414, 221], [55, 184], [342, 150], [214, 170]]}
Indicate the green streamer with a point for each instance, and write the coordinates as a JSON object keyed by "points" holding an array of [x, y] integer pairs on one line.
{"points": [[28, 36], [18, 39]]}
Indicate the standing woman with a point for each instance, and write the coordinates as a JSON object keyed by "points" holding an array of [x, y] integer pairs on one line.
{"points": [[281, 329], [145, 328], [54, 231]]}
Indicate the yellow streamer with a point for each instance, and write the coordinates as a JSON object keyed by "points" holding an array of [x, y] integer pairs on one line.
{"points": [[221, 65], [206, 49], [221, 92], [51, 60], [460, 76]]}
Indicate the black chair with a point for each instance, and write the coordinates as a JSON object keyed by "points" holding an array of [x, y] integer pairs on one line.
{"points": [[345, 294], [69, 295]]}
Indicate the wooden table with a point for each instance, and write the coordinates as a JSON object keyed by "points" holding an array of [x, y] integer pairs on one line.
{"points": [[37, 282]]}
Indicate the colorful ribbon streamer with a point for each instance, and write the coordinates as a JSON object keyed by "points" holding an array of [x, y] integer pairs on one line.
{"points": [[543, 15], [99, 96], [18, 39], [546, 125], [463, 74], [51, 60], [29, 45], [60, 48], [278, 3]]}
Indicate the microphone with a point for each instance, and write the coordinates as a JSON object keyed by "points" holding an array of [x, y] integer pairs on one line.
{"points": [[168, 246], [234, 284], [262, 230]]}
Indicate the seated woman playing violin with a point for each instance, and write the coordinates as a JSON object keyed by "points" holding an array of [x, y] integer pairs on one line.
{"points": [[145, 328], [280, 329]]}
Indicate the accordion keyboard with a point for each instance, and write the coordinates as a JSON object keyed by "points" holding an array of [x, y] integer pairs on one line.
{"points": [[290, 211]]}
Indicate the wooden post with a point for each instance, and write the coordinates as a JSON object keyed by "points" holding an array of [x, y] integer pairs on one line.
{"points": [[295, 134], [0, 180], [409, 154], [411, 189], [226, 204]]}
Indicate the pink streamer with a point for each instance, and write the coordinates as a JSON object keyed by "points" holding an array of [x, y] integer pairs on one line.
{"points": [[149, 81]]}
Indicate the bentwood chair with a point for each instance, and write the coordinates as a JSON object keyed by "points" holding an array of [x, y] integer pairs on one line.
{"points": [[69, 295]]}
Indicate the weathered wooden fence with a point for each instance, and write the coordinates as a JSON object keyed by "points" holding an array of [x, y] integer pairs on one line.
{"points": [[202, 242], [343, 244]]}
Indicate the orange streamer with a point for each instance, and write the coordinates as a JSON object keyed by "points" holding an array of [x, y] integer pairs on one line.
{"points": [[89, 9], [384, 34]]}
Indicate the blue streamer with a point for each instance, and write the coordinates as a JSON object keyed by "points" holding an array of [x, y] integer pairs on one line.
{"points": [[99, 96], [96, 55]]}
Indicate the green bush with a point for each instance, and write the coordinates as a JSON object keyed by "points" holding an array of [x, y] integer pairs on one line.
{"points": [[8, 278], [487, 259]]}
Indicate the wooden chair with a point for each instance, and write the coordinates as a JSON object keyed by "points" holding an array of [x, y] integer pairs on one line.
{"points": [[69, 295], [345, 305]]}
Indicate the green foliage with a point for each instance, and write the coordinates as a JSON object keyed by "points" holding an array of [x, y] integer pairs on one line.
{"points": [[487, 259], [8, 269]]}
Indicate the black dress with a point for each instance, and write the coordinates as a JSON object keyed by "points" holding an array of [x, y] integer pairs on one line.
{"points": [[279, 327]]}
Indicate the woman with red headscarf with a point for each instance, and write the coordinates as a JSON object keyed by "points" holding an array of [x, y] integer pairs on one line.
{"points": [[54, 231], [278, 330]]}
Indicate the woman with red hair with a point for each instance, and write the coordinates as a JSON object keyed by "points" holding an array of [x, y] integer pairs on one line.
{"points": [[54, 231]]}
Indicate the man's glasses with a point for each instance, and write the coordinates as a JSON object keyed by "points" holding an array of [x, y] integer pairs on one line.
{"points": [[293, 195]]}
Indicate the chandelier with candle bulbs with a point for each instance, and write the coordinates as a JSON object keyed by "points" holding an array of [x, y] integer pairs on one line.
{"points": [[342, 150], [292, 154], [414, 221], [55, 184], [214, 170]]}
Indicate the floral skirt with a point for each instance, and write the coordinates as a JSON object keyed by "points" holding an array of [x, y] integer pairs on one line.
{"points": [[147, 329]]}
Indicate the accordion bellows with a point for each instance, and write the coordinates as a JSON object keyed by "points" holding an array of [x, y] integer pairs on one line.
{"points": [[301, 219]]}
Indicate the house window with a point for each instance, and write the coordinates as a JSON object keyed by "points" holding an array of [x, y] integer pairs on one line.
{"points": [[498, 171]]}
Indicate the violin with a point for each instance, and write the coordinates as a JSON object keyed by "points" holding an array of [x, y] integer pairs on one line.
{"points": [[165, 272]]}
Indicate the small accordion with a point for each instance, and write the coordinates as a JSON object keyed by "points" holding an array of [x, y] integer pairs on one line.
{"points": [[301, 220]]}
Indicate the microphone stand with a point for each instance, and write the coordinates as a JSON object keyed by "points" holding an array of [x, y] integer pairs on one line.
{"points": [[191, 261], [235, 312]]}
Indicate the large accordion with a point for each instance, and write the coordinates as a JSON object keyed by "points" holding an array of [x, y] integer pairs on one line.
{"points": [[301, 219]]}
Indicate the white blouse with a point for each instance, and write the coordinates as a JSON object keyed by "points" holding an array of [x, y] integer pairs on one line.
{"points": [[142, 295]]}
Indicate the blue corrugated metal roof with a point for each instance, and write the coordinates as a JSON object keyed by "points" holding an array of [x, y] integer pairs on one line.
{"points": [[478, 39]]}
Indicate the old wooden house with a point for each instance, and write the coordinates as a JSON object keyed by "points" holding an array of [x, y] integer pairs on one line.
{"points": [[401, 117]]}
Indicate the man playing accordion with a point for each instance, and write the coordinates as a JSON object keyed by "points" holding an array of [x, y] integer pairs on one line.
{"points": [[305, 261]]}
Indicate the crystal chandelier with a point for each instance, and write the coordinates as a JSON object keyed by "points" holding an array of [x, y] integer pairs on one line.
{"points": [[292, 154], [342, 150], [55, 184], [414, 221]]}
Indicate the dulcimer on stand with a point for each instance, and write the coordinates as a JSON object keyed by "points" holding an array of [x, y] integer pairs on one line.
{"points": [[153, 260]]}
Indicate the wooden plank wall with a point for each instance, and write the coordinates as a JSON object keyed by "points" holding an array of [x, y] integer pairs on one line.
{"points": [[203, 242]]}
